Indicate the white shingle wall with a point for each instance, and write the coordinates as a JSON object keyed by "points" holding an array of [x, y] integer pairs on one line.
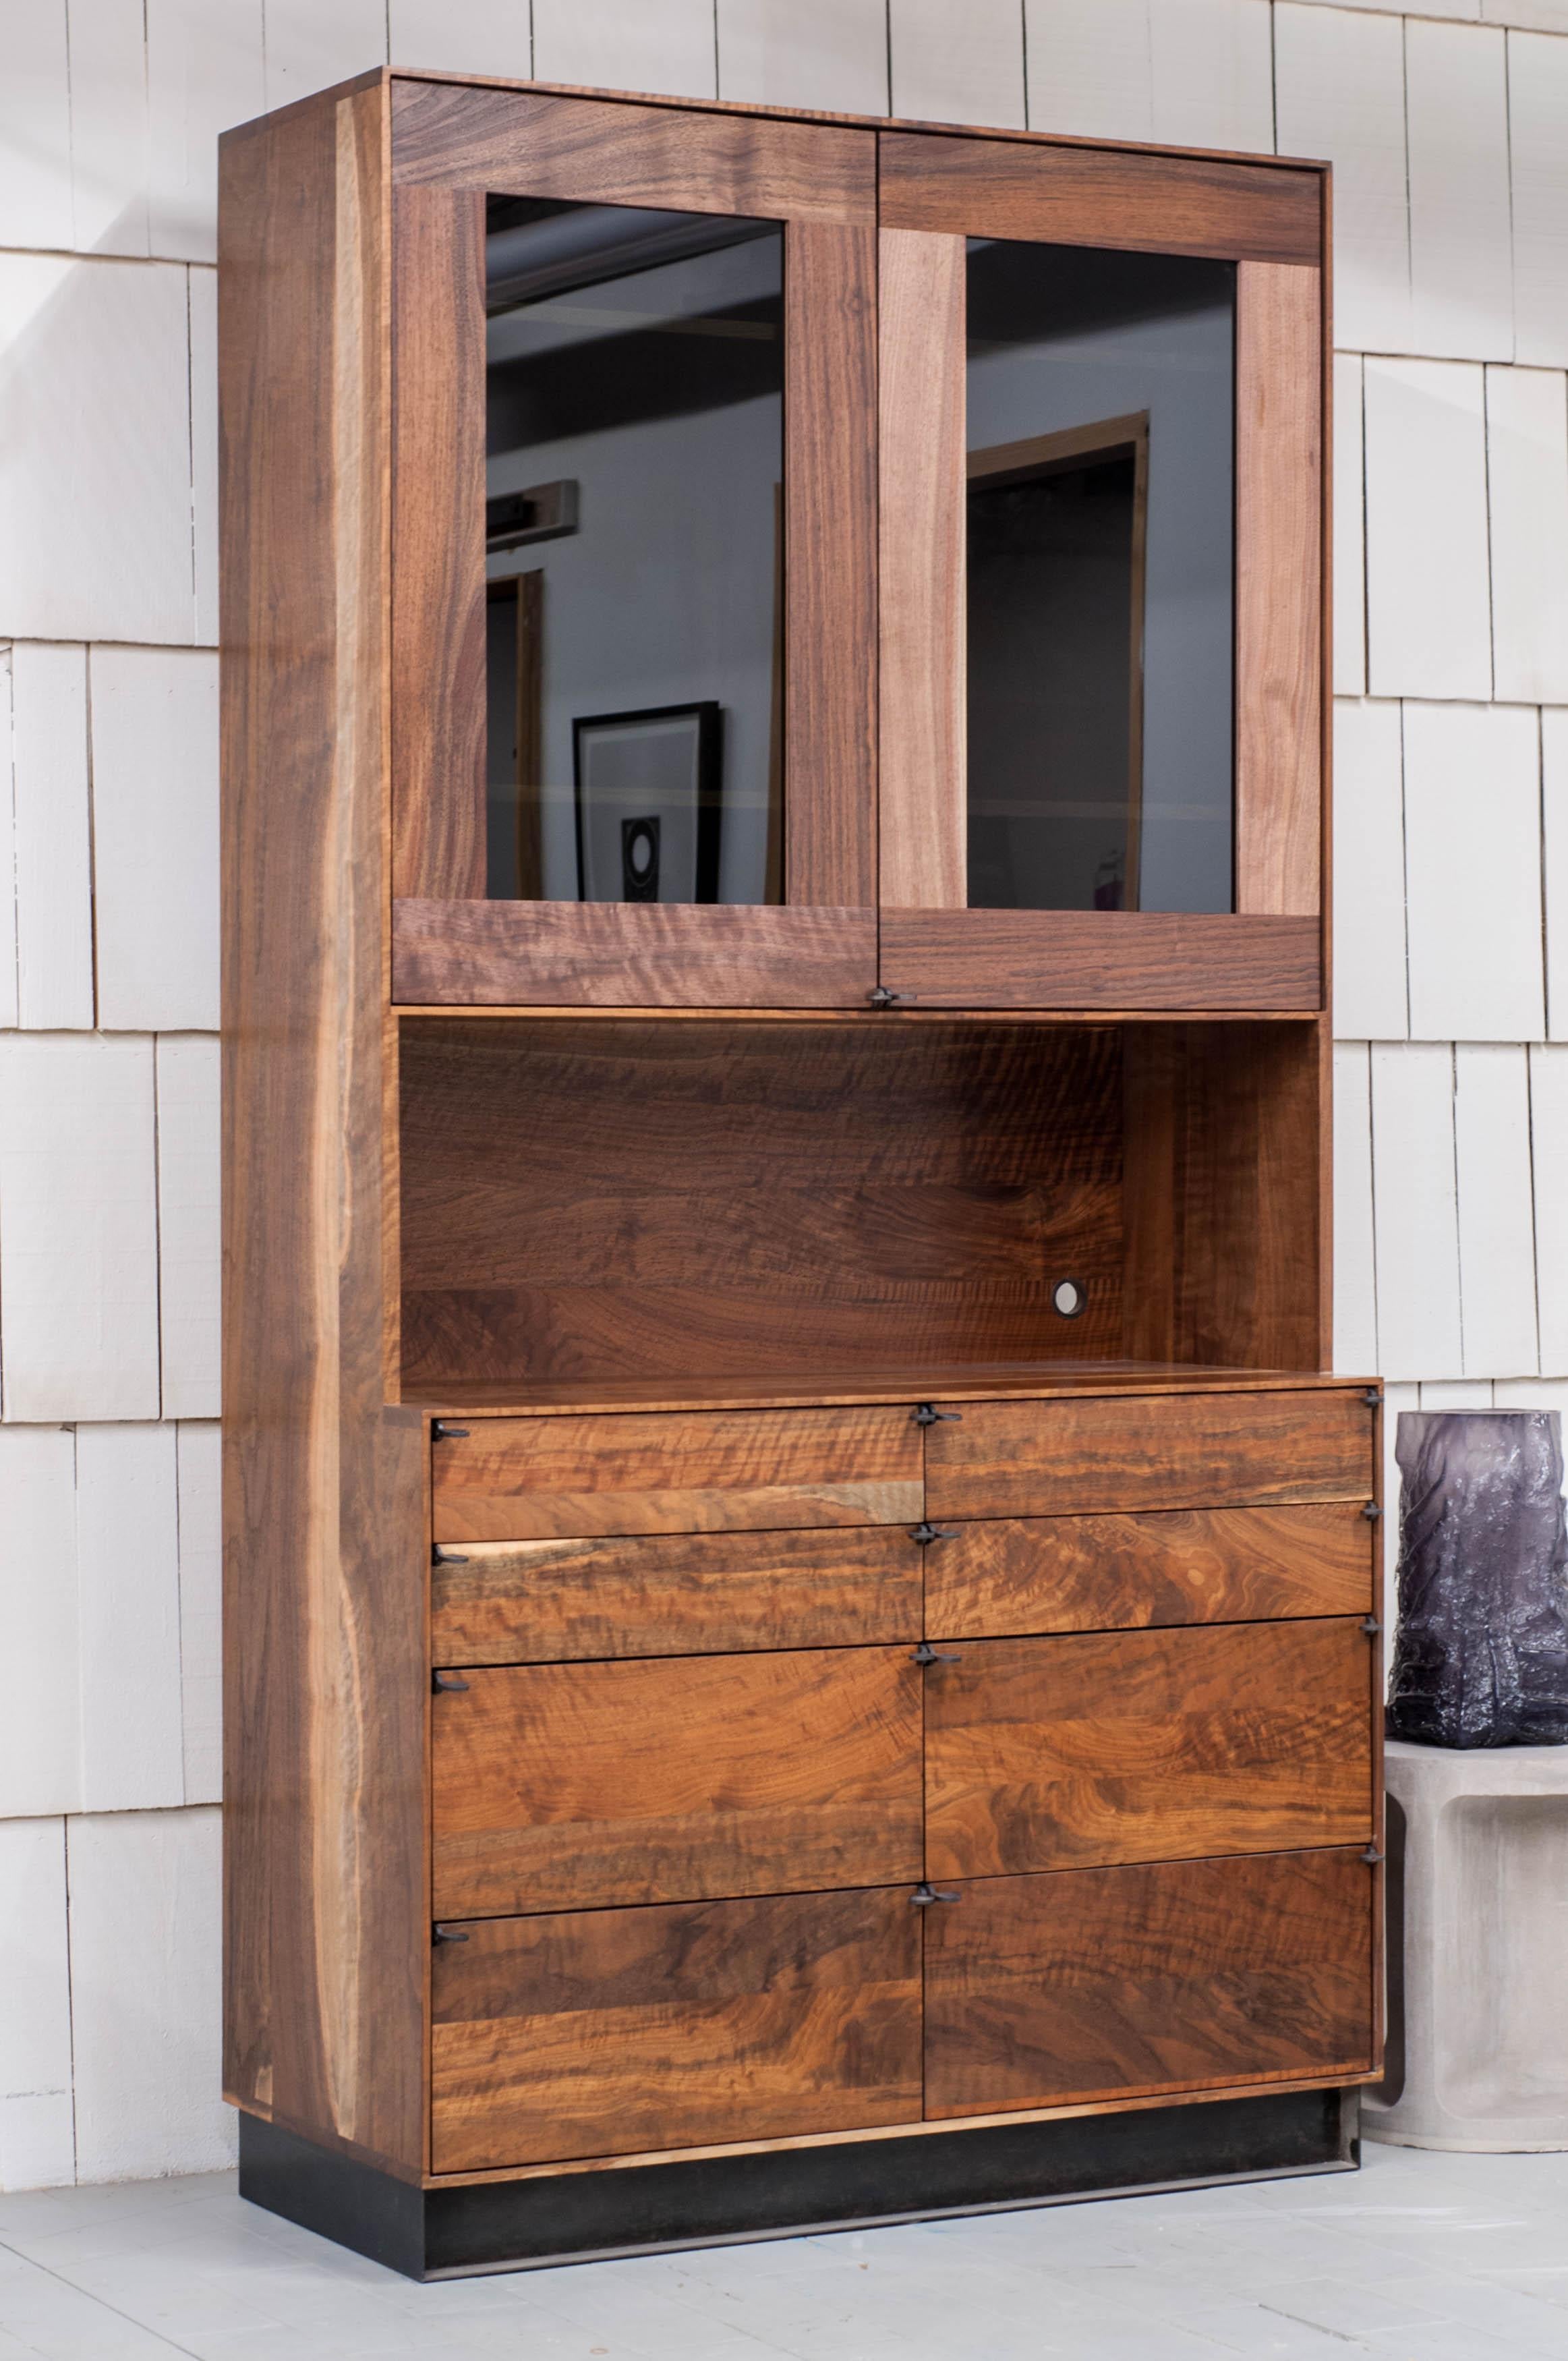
{"points": [[1449, 133]]}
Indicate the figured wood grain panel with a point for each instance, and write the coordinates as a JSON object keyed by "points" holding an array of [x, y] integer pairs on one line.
{"points": [[1177, 1566], [1093, 197], [438, 542], [1096, 1983], [673, 1594], [1102, 959], [924, 853], [559, 1786], [610, 2032], [522, 1478], [631, 954], [1094, 1748], [327, 1934], [830, 569], [1279, 588], [618, 151], [1011, 1459], [607, 1199]]}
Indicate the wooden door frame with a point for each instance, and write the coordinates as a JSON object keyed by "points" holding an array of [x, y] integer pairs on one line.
{"points": [[452, 144], [1269, 953]]}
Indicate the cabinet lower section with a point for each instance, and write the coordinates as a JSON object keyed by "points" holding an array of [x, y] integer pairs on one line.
{"points": [[708, 2201]]}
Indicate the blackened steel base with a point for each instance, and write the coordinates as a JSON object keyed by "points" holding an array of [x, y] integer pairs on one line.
{"points": [[521, 2224]]}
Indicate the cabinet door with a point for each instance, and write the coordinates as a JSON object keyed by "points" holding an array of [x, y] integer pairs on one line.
{"points": [[607, 2032], [564, 1786], [1101, 1983], [633, 365], [1101, 395], [1147, 1746]]}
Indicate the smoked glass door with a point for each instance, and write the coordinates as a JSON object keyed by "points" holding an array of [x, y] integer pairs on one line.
{"points": [[633, 555], [1100, 557]]}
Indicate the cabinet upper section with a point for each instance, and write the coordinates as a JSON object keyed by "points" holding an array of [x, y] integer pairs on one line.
{"points": [[821, 562]]}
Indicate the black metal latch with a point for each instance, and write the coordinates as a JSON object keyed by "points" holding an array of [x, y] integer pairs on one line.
{"points": [[439, 1934], [1372, 1512], [885, 997], [439, 1557], [925, 1654], [1371, 1626], [926, 1535], [923, 1415], [1372, 1856], [1372, 1398], [442, 1431], [446, 1683], [924, 1895]]}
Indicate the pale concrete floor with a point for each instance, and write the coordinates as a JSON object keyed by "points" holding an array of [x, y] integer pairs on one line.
{"points": [[1418, 2257]]}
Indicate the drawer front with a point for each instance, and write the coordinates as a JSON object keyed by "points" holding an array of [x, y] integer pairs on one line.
{"points": [[1147, 1451], [1098, 1983], [675, 1594], [1171, 1565], [611, 2031], [1081, 1751], [675, 1472], [568, 1786]]}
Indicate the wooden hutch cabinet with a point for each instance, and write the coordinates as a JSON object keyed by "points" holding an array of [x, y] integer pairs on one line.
{"points": [[801, 1604]]}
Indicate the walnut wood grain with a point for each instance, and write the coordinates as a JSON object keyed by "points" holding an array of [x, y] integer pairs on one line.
{"points": [[618, 151], [326, 1938], [675, 1594], [1098, 1983], [560, 1786], [524, 1479], [1104, 197], [605, 2033], [1279, 534], [607, 1199], [1102, 960], [438, 544], [1068, 1458], [829, 1385], [1177, 1566], [924, 853], [631, 954], [1089, 1749], [830, 573]]}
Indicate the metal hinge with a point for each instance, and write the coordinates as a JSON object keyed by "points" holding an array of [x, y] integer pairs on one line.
{"points": [[923, 1415], [439, 1934], [925, 1654], [447, 1684], [924, 1895], [1372, 1512], [926, 1534], [885, 997], [442, 1431]]}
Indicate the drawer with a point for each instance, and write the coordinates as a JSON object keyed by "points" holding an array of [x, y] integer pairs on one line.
{"points": [[1091, 1750], [567, 1786], [1147, 1451], [604, 2032], [1097, 1983], [675, 1594], [651, 1472], [1170, 1565]]}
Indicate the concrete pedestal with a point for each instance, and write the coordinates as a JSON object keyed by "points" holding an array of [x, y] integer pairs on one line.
{"points": [[1478, 1917]]}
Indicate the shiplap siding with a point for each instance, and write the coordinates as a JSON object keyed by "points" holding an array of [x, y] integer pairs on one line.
{"points": [[1448, 131]]}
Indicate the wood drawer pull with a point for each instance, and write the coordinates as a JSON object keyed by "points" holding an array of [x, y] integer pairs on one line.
{"points": [[924, 1895], [925, 1654]]}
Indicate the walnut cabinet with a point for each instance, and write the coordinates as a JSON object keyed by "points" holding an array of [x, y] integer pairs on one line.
{"points": [[802, 1605]]}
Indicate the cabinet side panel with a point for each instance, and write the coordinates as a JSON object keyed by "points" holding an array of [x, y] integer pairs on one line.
{"points": [[325, 1709]]}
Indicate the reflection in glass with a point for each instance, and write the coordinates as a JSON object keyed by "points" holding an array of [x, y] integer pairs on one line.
{"points": [[634, 399], [1100, 554]]}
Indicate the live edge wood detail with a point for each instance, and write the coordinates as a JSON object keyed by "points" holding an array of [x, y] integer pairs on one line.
{"points": [[1092, 1983], [620, 2030], [1079, 1750], [677, 1595], [570, 1785], [522, 1478], [1186, 1565], [1010, 1459]]}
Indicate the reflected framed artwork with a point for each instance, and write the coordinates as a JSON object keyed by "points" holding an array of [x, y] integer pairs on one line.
{"points": [[648, 786]]}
